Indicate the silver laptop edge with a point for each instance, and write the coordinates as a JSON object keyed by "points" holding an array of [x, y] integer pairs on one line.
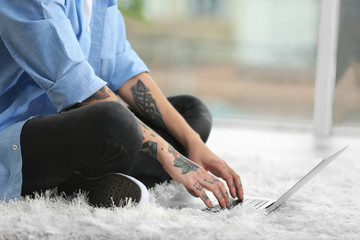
{"points": [[304, 180], [270, 204]]}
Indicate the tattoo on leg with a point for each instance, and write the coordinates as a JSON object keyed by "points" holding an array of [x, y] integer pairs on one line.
{"points": [[197, 186], [182, 162], [147, 104], [205, 197], [150, 147], [208, 181]]}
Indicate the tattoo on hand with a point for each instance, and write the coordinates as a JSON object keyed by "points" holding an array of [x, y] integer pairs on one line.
{"points": [[215, 179], [208, 181], [205, 197], [227, 170], [221, 195], [182, 162], [150, 147], [197, 186], [146, 103]]}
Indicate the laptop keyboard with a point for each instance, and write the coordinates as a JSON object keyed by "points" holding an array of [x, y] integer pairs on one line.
{"points": [[256, 203], [249, 202]]}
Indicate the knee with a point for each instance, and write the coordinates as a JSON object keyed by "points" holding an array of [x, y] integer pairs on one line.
{"points": [[113, 121], [204, 118], [199, 107], [195, 113]]}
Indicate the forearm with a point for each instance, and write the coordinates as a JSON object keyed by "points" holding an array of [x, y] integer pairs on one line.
{"points": [[194, 177], [153, 143], [102, 95], [143, 95], [169, 158]]}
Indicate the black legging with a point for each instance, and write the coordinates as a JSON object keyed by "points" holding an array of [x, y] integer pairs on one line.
{"points": [[98, 139]]}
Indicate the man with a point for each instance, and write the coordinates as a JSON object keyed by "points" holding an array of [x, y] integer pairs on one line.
{"points": [[61, 124]]}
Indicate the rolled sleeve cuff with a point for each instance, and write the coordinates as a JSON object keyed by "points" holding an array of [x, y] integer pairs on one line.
{"points": [[128, 65], [76, 86]]}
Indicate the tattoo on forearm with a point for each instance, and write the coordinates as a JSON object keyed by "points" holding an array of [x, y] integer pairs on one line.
{"points": [[101, 94], [147, 104], [144, 126], [182, 162], [197, 186], [208, 181], [150, 147]]}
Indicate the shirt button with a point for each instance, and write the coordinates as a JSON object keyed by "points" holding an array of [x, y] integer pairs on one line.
{"points": [[15, 147], [88, 28]]}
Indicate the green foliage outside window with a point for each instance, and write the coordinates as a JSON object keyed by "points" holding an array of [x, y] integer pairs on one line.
{"points": [[132, 8]]}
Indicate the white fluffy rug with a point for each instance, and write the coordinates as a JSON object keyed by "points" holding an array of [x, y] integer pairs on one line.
{"points": [[269, 163]]}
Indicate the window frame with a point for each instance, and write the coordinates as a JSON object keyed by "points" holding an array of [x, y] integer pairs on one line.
{"points": [[326, 68]]}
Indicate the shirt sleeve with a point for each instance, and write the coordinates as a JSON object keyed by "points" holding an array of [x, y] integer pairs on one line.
{"points": [[127, 62], [40, 38]]}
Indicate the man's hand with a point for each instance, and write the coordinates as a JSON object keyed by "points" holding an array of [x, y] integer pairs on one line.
{"points": [[143, 87], [202, 155], [195, 178]]}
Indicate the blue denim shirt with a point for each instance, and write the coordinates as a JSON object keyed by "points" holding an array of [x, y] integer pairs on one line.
{"points": [[52, 58]]}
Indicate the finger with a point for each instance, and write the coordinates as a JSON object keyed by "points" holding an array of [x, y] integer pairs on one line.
{"points": [[219, 190], [223, 193], [217, 181], [236, 183], [199, 191], [206, 200], [192, 192], [227, 176], [239, 187]]}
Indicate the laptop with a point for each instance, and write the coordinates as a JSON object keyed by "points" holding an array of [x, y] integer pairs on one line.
{"points": [[269, 204]]}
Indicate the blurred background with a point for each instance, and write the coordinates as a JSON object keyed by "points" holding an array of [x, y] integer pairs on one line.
{"points": [[251, 61]]}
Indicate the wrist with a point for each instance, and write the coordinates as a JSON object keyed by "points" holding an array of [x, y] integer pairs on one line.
{"points": [[192, 140]]}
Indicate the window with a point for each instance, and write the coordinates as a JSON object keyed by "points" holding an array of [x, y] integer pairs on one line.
{"points": [[270, 60], [205, 7], [347, 90]]}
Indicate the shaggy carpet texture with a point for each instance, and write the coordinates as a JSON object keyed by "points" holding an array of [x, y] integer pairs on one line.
{"points": [[269, 162]]}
